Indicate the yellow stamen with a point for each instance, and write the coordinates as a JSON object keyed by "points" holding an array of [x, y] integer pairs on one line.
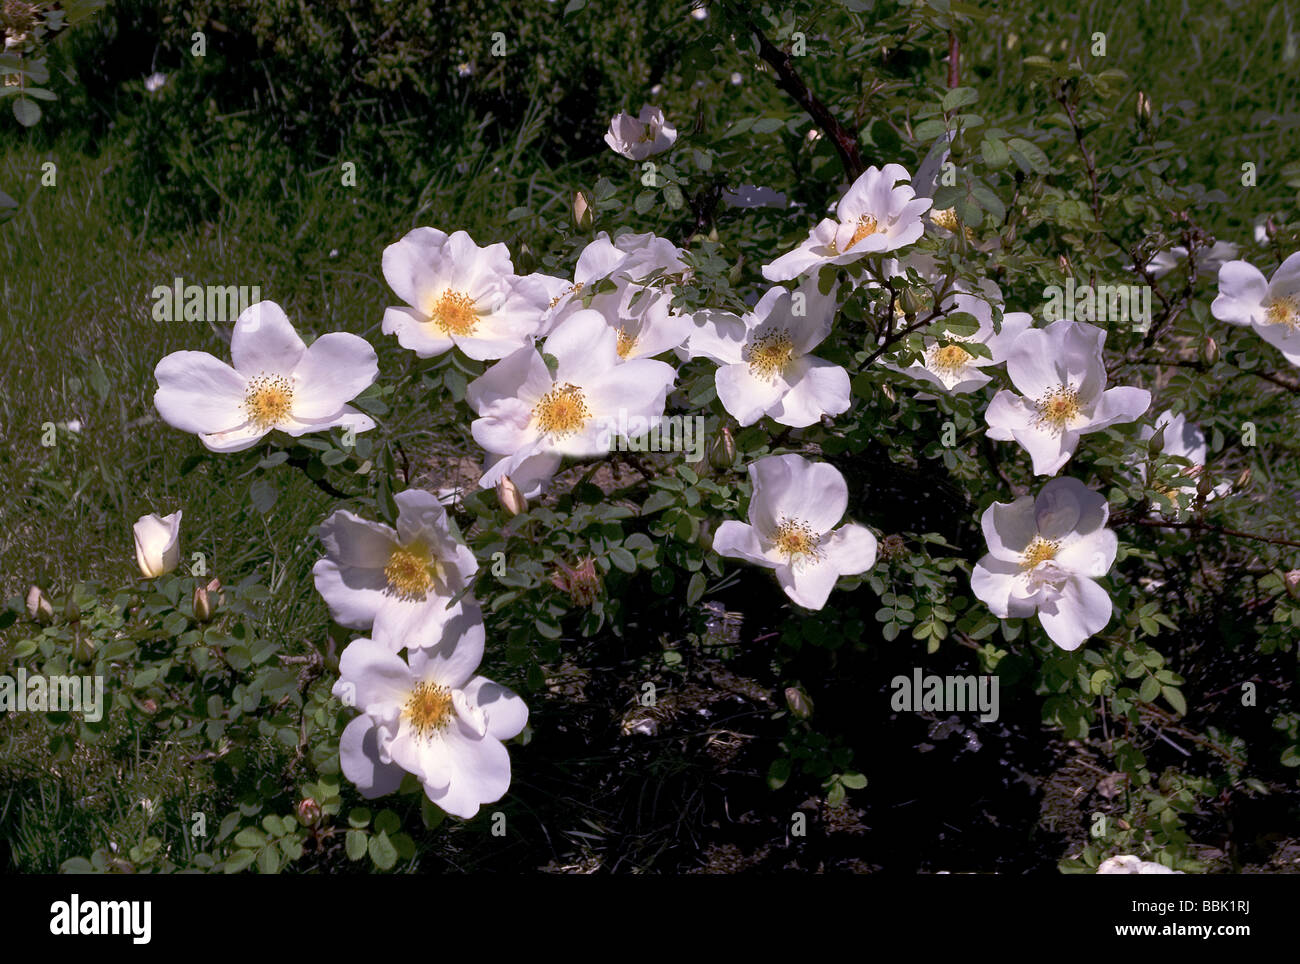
{"points": [[269, 400], [626, 342], [1058, 408], [454, 313], [945, 218], [572, 290], [867, 226], [1283, 311], [1038, 551], [949, 359], [769, 354], [797, 542], [562, 411], [411, 571], [429, 709]]}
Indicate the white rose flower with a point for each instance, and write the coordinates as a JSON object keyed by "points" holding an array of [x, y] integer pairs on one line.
{"points": [[873, 216], [766, 365], [461, 295], [430, 716], [531, 419], [1186, 440], [157, 543], [640, 314], [949, 366], [276, 382], [793, 512], [1270, 306], [1128, 864], [1060, 374], [399, 581], [645, 135], [1044, 555]]}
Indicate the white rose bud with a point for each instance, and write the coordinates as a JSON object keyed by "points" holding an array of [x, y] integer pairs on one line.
{"points": [[157, 544], [511, 499]]}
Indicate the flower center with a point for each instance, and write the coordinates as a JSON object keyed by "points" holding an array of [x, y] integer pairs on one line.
{"points": [[797, 542], [647, 134], [770, 353], [429, 709], [626, 342], [867, 226], [269, 400], [949, 359], [411, 571], [1283, 311], [454, 313], [1058, 408], [945, 218], [1040, 550], [562, 411]]}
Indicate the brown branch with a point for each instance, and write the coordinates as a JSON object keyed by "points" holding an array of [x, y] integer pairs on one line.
{"points": [[788, 79], [1089, 164], [954, 60], [1203, 367], [1197, 525]]}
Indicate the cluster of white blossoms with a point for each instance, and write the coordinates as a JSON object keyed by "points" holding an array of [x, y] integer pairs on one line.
{"points": [[427, 714], [576, 363]]}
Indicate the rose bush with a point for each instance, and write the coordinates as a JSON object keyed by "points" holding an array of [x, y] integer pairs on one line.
{"points": [[855, 355]]}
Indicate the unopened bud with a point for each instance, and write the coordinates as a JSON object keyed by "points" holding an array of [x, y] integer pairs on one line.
{"points": [[309, 812], [722, 453], [1210, 351], [1243, 480], [581, 210], [38, 605], [912, 301], [1143, 108], [1157, 442], [83, 648], [202, 604], [888, 391], [71, 611], [511, 499], [1270, 227], [801, 705]]}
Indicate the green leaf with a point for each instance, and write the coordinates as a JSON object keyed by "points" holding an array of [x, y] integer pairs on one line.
{"points": [[995, 152], [263, 494], [382, 852], [388, 822], [1030, 152], [854, 781], [27, 112], [622, 559], [239, 861], [359, 817], [959, 97], [1150, 689], [1174, 697], [250, 837], [928, 130], [778, 773], [355, 844]]}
